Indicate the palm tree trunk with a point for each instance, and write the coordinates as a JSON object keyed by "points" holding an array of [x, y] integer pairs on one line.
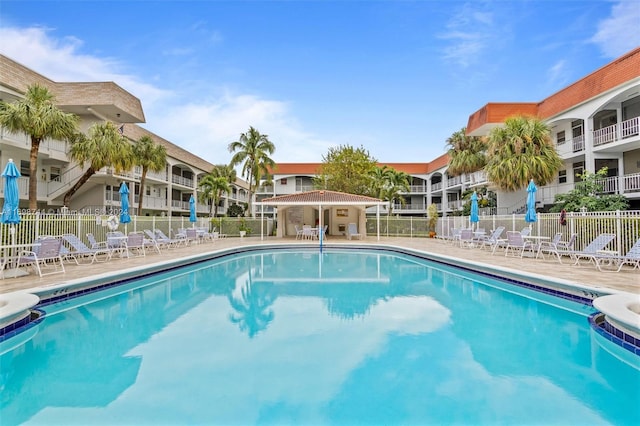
{"points": [[83, 179], [142, 179], [33, 174]]}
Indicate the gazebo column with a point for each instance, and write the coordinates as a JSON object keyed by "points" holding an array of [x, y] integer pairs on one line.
{"points": [[281, 224]]}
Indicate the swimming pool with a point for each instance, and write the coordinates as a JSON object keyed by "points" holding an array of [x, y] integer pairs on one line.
{"points": [[299, 337]]}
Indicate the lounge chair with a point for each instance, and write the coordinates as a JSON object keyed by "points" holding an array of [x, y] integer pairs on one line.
{"points": [[79, 250], [516, 243], [492, 239], [632, 257], [152, 241], [44, 255], [172, 242], [591, 250], [352, 231]]}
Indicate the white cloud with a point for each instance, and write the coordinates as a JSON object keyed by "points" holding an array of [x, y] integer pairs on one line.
{"points": [[205, 128], [557, 74], [469, 33], [620, 32]]}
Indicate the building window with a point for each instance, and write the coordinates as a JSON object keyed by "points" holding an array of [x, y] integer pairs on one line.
{"points": [[576, 128], [562, 176], [560, 138], [24, 168], [54, 174], [283, 181], [578, 169]]}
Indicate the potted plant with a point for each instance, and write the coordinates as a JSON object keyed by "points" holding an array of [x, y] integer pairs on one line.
{"points": [[432, 214], [243, 228]]}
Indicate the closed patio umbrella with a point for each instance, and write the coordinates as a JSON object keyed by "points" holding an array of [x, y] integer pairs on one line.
{"points": [[474, 218], [10, 213], [124, 201], [192, 210], [531, 216]]}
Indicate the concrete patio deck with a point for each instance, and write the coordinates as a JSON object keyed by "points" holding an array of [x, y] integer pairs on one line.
{"points": [[627, 280]]}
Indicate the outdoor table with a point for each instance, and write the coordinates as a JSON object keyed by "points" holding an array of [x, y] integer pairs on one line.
{"points": [[10, 259]]}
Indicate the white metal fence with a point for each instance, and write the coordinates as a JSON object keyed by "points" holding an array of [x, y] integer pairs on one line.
{"points": [[35, 225], [625, 224]]}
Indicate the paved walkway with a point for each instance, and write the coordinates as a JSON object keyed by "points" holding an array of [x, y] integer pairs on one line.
{"points": [[627, 280]]}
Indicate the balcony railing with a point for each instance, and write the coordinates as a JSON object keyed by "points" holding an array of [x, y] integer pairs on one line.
{"points": [[578, 143], [609, 134], [181, 180], [436, 186]]}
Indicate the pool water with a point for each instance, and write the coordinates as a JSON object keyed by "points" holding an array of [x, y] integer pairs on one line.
{"points": [[299, 337]]}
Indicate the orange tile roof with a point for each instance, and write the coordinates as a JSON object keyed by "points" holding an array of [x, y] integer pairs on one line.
{"points": [[296, 168], [314, 168], [615, 73], [322, 197]]}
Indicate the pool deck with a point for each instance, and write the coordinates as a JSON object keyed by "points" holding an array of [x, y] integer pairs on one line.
{"points": [[627, 280]]}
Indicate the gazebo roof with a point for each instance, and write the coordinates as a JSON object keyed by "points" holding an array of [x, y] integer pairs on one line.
{"points": [[322, 197]]}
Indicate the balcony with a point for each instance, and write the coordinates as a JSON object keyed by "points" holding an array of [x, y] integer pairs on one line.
{"points": [[578, 143], [616, 132], [181, 180], [630, 183]]}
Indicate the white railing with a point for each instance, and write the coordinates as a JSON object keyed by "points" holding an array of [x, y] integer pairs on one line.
{"points": [[304, 188], [180, 180], [418, 188], [436, 186], [631, 183], [627, 128], [578, 143], [630, 127]]}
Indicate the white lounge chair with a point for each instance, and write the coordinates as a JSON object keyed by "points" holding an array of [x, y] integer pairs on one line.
{"points": [[632, 257], [492, 239], [79, 250], [591, 250], [352, 231]]}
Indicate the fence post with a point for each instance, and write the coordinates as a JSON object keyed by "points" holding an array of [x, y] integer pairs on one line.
{"points": [[411, 227], [618, 232]]}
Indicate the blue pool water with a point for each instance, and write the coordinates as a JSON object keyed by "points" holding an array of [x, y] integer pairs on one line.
{"points": [[306, 338]]}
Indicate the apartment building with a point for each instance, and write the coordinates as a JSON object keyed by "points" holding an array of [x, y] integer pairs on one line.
{"points": [[165, 193], [595, 122]]}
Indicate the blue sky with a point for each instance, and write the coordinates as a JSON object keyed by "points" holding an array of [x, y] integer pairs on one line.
{"points": [[396, 77]]}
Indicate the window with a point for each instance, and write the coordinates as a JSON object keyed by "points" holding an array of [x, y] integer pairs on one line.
{"points": [[560, 138], [54, 174], [576, 128], [283, 181], [562, 176], [578, 169], [24, 168]]}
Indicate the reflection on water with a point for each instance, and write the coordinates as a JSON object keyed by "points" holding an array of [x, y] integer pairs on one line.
{"points": [[308, 338]]}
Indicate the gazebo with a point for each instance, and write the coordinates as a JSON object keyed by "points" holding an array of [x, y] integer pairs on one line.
{"points": [[319, 208]]}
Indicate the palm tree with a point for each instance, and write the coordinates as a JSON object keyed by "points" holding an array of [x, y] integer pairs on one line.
{"points": [[398, 182], [252, 151], [212, 187], [466, 153], [519, 151], [151, 157], [38, 117], [104, 147], [379, 179]]}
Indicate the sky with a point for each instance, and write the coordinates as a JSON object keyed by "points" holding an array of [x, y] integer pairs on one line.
{"points": [[394, 77]]}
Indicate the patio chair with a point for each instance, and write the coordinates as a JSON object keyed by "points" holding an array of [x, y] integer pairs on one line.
{"points": [[134, 244], [632, 257], [591, 250], [309, 233], [79, 250], [516, 243], [352, 231], [299, 232], [466, 238], [191, 235], [172, 242], [550, 247], [525, 231], [152, 241], [43, 256], [491, 239]]}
